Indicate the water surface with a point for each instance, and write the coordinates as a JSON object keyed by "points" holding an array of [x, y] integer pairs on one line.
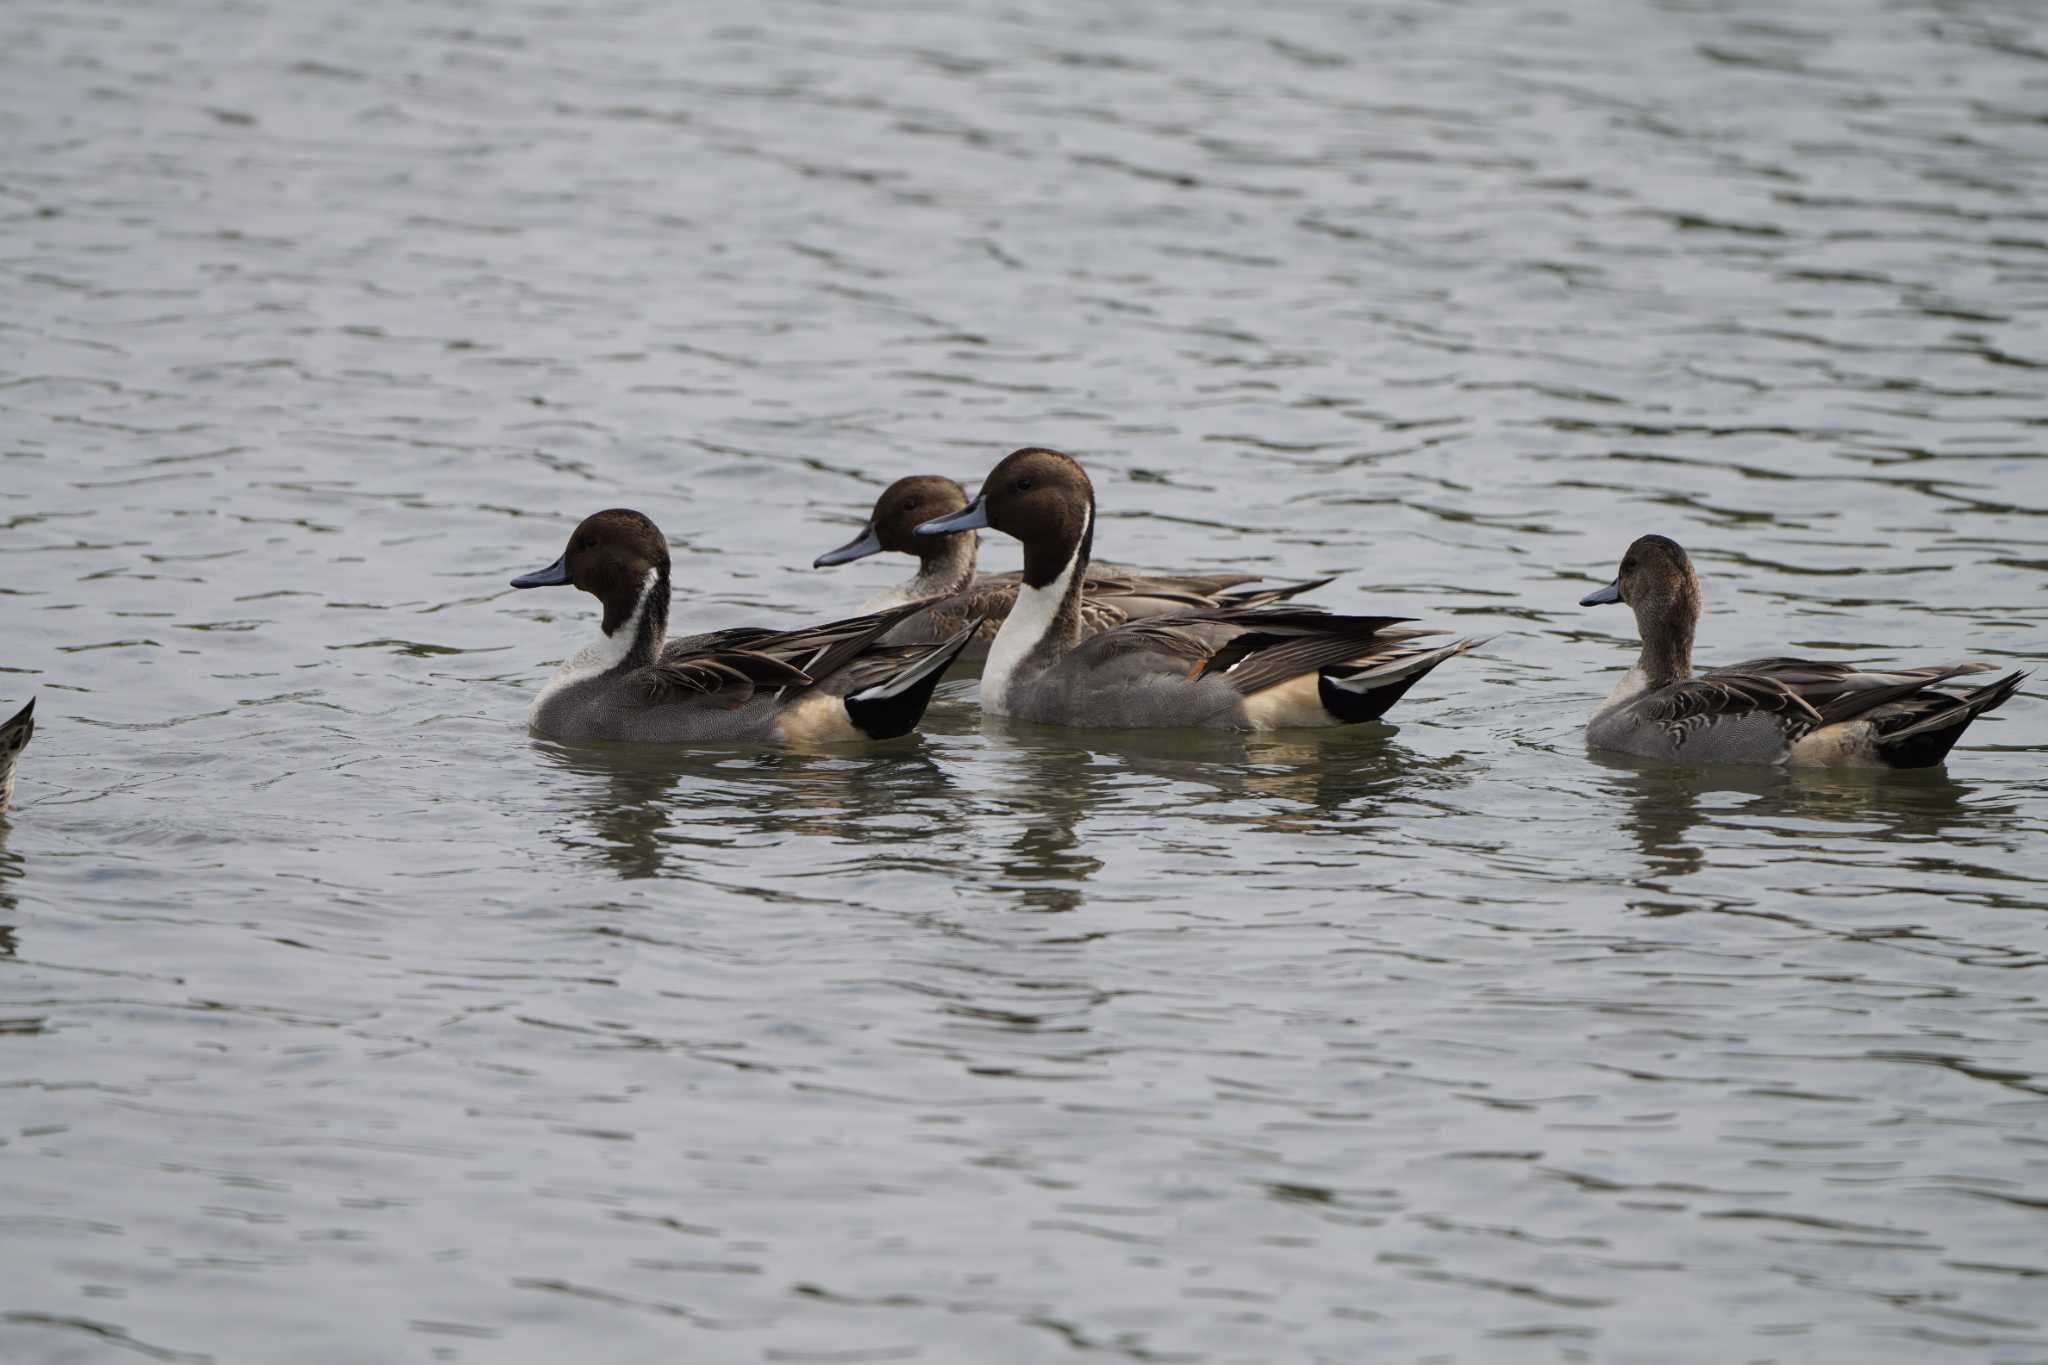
{"points": [[341, 1021]]}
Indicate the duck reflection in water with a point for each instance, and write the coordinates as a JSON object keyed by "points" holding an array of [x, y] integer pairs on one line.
{"points": [[12, 868], [1046, 791], [656, 811], [1308, 774], [1204, 786], [651, 811], [1666, 806]]}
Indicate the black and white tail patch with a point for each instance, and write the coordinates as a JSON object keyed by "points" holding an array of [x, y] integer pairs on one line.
{"points": [[1356, 693], [894, 706], [1926, 741]]}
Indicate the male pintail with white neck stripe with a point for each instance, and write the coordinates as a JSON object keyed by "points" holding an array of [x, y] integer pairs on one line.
{"points": [[14, 737], [1111, 595], [1798, 712], [824, 684], [1257, 668]]}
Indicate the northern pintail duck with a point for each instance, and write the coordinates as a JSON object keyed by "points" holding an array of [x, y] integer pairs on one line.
{"points": [[14, 737], [1110, 594], [1242, 668], [822, 684], [1790, 711]]}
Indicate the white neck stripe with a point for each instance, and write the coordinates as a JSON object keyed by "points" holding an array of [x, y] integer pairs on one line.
{"points": [[605, 653], [1029, 622]]}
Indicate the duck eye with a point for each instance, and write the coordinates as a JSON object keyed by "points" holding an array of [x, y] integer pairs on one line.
{"points": [[1024, 484]]}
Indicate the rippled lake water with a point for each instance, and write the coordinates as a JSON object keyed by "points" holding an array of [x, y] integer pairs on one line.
{"points": [[342, 1021]]}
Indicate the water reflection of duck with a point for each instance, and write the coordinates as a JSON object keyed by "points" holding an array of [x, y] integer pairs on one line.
{"points": [[1334, 778], [1046, 789], [647, 810], [662, 811], [1663, 805], [1923, 806], [1213, 781], [12, 868], [1660, 806]]}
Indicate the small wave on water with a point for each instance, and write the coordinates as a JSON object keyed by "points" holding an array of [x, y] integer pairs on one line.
{"points": [[341, 1019]]}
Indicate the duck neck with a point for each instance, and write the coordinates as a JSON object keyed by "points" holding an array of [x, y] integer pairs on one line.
{"points": [[633, 637], [947, 567], [1045, 623], [1667, 647]]}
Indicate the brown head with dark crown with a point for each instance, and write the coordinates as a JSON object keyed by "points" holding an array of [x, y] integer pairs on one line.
{"points": [[1658, 583], [610, 556], [1041, 497], [903, 506]]}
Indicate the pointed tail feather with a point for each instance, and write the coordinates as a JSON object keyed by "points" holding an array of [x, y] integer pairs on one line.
{"points": [[895, 705], [1926, 741], [1286, 642], [1259, 597], [1850, 704], [1354, 693], [844, 641]]}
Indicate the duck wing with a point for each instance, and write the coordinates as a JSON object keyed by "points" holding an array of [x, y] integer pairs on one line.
{"points": [[733, 664], [1189, 591], [1128, 578], [1252, 648], [1140, 595], [1909, 718], [886, 666], [1281, 592], [1724, 694], [733, 675], [1278, 643], [1132, 601], [989, 600], [1837, 692]]}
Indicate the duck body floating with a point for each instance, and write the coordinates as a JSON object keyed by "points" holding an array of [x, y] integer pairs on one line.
{"points": [[817, 684], [1237, 668], [1796, 712], [946, 579], [14, 737]]}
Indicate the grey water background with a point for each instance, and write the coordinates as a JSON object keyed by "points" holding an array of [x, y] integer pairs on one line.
{"points": [[342, 1021]]}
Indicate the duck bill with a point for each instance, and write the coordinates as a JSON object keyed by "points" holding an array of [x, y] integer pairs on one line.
{"points": [[1600, 597], [972, 517], [555, 575], [868, 542]]}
